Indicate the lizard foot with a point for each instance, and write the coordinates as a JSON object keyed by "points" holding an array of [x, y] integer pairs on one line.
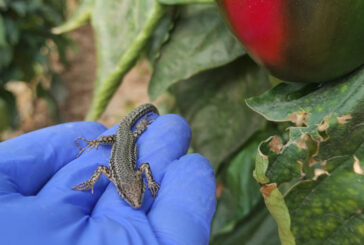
{"points": [[142, 125], [154, 188], [84, 186], [90, 144]]}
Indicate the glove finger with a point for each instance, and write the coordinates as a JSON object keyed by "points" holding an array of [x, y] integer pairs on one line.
{"points": [[27, 162], [185, 205], [166, 140]]}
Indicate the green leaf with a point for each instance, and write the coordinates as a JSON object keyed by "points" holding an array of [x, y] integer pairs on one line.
{"points": [[114, 75], [172, 2], [20, 7], [9, 113], [275, 203], [240, 192], [323, 156], [116, 24], [213, 104], [13, 31], [79, 18], [27, 27], [161, 35], [326, 116], [275, 167], [261, 165], [332, 204], [4, 115], [3, 42], [257, 229], [200, 41]]}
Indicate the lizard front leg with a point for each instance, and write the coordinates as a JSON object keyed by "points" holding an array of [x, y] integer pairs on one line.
{"points": [[105, 140], [152, 185], [95, 176]]}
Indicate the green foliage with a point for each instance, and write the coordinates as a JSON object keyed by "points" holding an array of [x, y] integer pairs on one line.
{"points": [[256, 229], [240, 196], [193, 48], [26, 42], [210, 100], [323, 158], [309, 175], [116, 25], [25, 35], [4, 115], [123, 29], [8, 109]]}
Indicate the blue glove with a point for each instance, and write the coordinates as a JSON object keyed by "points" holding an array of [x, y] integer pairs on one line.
{"points": [[38, 205]]}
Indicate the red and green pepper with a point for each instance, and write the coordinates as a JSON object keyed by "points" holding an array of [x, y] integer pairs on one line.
{"points": [[300, 40]]}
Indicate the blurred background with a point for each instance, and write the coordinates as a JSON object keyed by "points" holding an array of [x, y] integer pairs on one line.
{"points": [[47, 79]]}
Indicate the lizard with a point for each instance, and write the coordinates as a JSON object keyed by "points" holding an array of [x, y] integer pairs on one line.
{"points": [[122, 170]]}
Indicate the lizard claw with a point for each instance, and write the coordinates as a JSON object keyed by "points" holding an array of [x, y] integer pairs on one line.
{"points": [[154, 188], [90, 144], [84, 186]]}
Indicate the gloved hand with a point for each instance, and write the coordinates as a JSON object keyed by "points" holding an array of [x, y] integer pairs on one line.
{"points": [[38, 205]]}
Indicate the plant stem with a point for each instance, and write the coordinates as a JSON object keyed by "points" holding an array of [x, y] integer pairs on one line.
{"points": [[107, 88], [73, 24]]}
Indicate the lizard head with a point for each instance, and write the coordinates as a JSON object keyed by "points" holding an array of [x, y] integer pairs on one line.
{"points": [[132, 193]]}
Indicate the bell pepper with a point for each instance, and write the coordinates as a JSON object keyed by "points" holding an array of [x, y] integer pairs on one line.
{"points": [[300, 40]]}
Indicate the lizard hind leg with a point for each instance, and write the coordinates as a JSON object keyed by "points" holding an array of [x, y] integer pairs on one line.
{"points": [[94, 178], [141, 126], [152, 184]]}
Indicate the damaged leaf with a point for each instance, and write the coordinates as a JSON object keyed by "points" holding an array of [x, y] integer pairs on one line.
{"points": [[292, 162], [321, 161], [275, 145], [328, 122], [344, 119], [356, 166], [332, 205]]}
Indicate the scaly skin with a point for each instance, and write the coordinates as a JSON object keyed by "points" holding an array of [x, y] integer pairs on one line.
{"points": [[122, 171]]}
